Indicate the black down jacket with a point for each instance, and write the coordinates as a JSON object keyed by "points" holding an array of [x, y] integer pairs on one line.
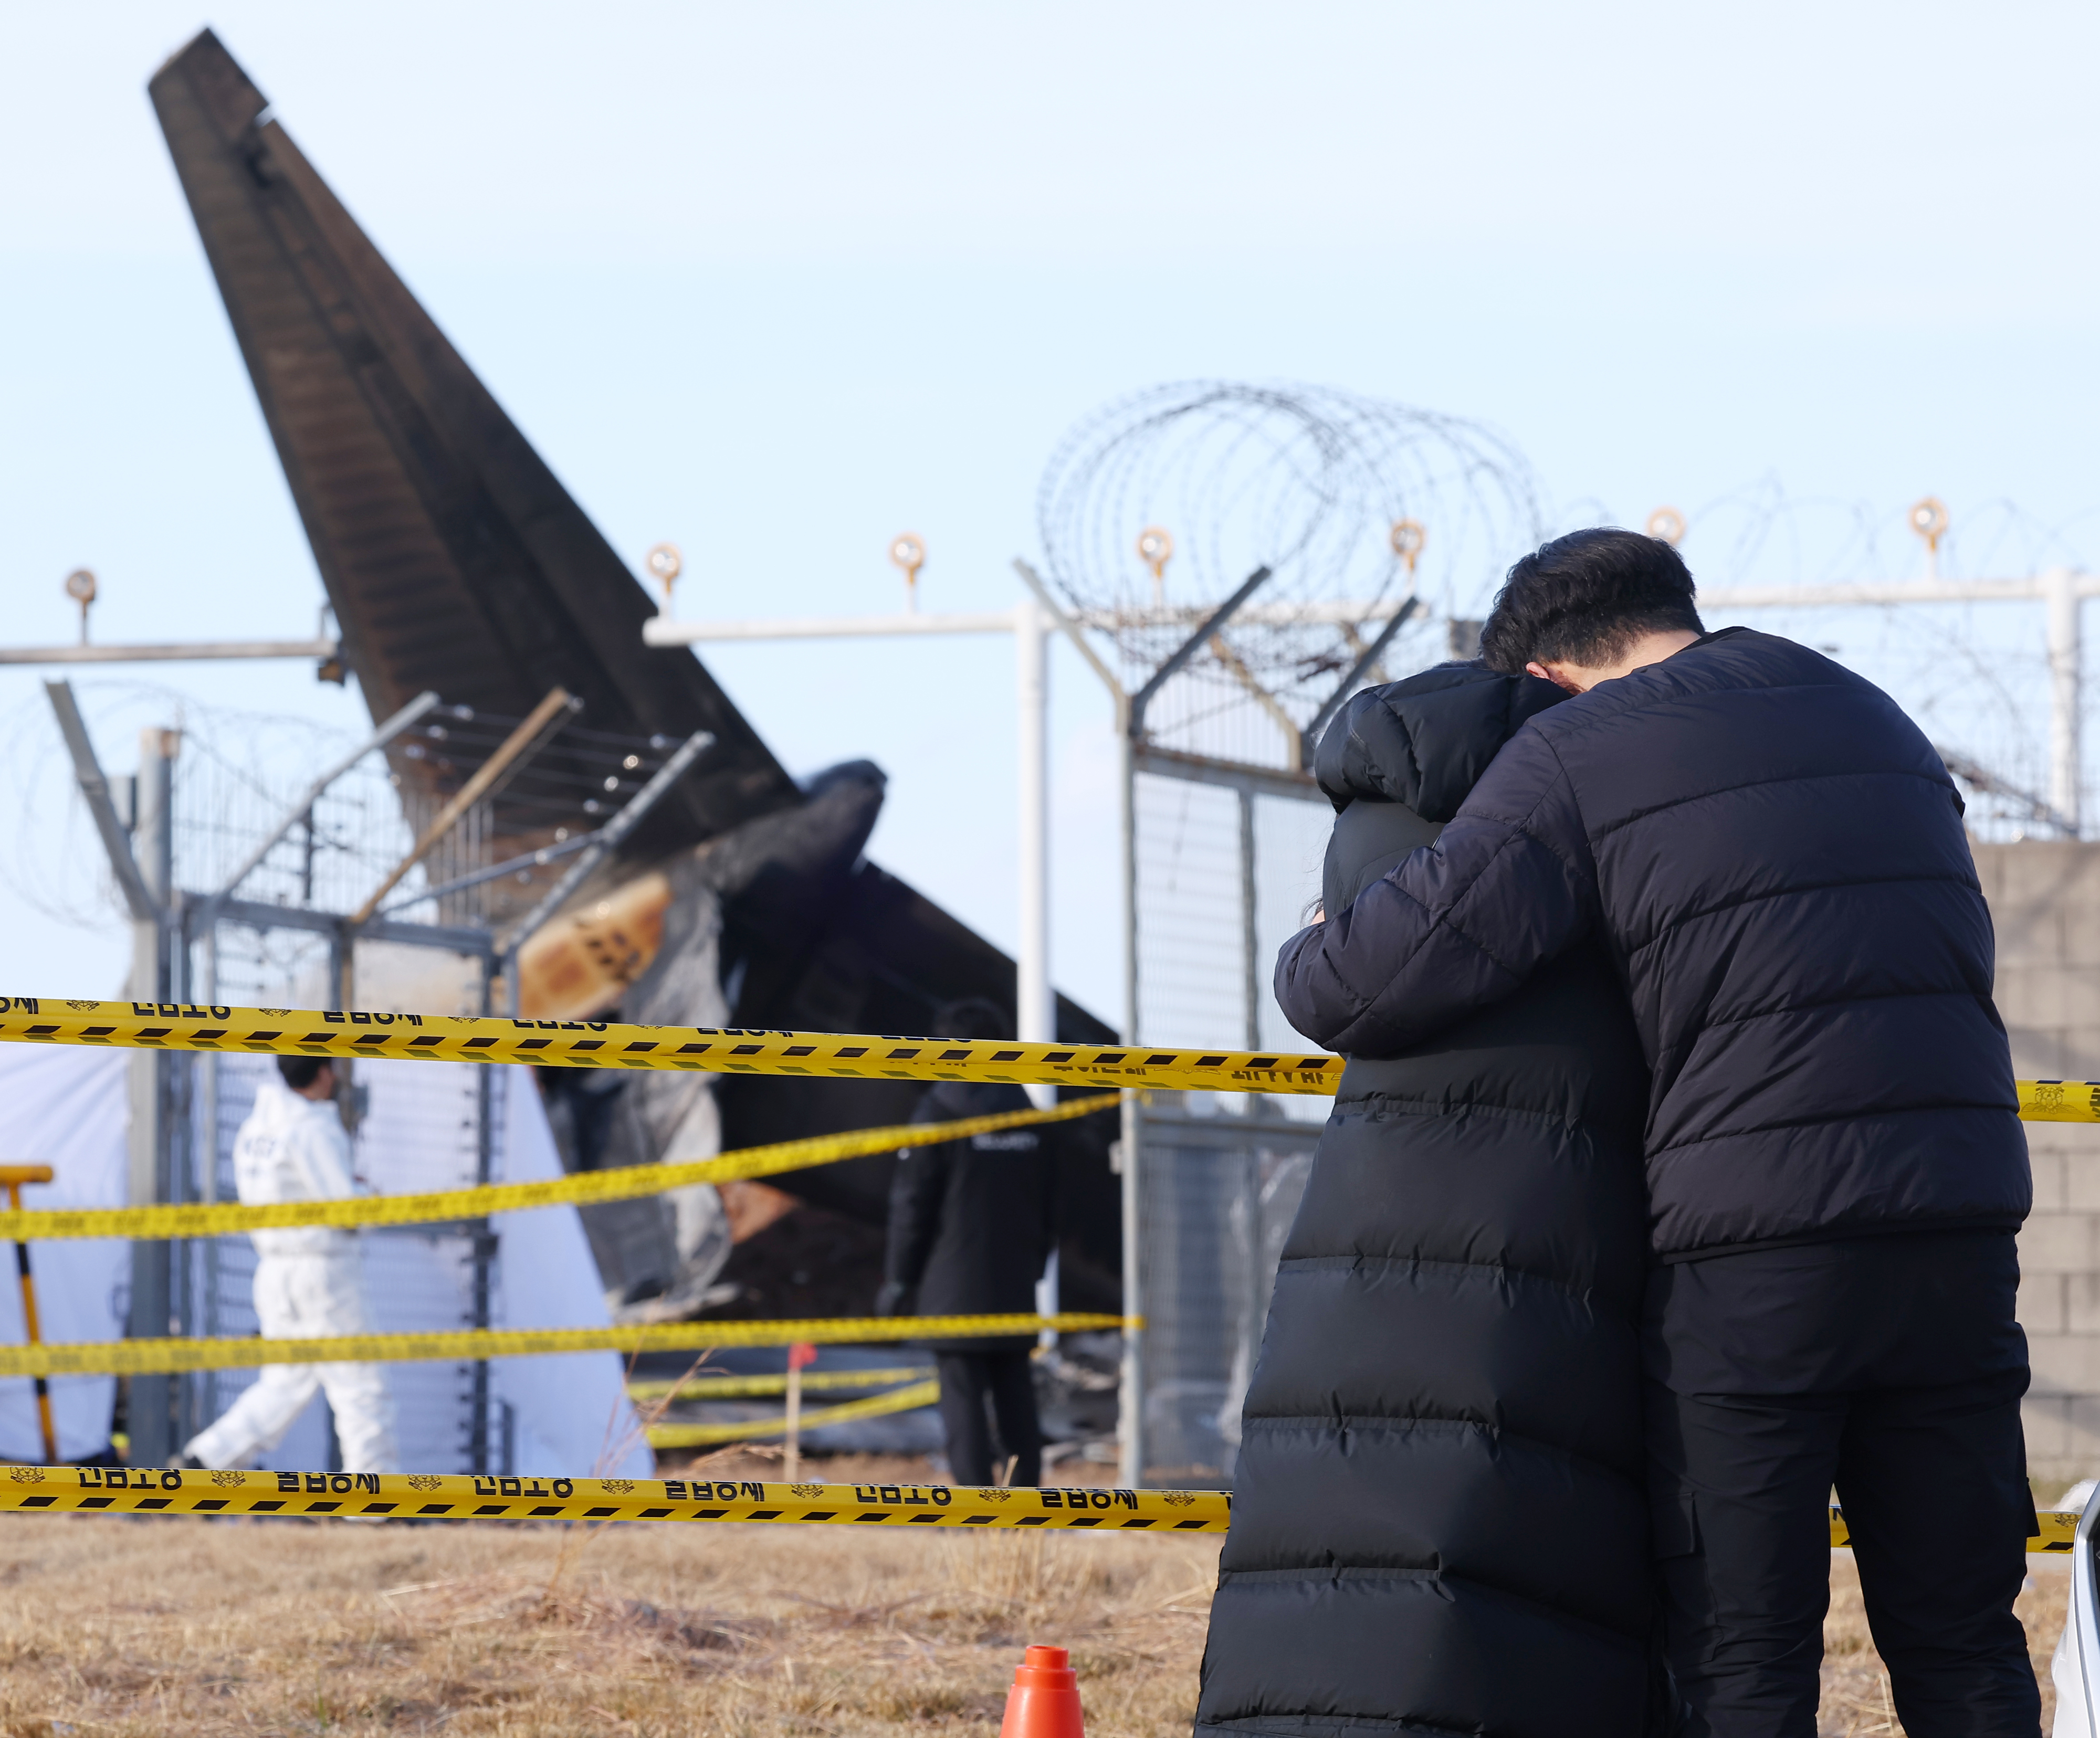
{"points": [[1438, 1523], [972, 1223], [1773, 855]]}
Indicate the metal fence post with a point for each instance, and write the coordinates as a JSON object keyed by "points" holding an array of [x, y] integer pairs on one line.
{"points": [[151, 1411]]}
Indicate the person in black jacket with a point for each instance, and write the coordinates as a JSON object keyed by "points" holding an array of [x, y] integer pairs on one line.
{"points": [[1774, 856], [971, 1225], [1439, 1519]]}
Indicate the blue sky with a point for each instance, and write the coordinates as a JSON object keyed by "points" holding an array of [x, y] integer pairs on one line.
{"points": [[780, 282]]}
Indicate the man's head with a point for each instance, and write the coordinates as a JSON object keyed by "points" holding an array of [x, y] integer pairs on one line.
{"points": [[309, 1076], [1587, 603]]}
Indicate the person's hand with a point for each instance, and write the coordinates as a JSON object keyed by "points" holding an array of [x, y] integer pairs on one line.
{"points": [[889, 1301]]}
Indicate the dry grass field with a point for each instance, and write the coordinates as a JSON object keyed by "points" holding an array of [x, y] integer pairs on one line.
{"points": [[146, 1626], [1855, 1687], [137, 1627]]}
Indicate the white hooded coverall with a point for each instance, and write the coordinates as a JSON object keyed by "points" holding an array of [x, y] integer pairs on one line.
{"points": [[309, 1285]]}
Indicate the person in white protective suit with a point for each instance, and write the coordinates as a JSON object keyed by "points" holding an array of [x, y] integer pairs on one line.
{"points": [[309, 1283]]}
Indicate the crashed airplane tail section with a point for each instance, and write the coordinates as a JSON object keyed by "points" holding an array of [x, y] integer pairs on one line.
{"points": [[456, 561]]}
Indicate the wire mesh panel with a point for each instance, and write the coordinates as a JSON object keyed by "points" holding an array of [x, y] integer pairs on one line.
{"points": [[424, 1126], [1291, 835], [424, 1130], [236, 783], [1218, 1197], [1191, 979], [213, 1278], [1224, 878], [421, 1126], [1224, 872]]}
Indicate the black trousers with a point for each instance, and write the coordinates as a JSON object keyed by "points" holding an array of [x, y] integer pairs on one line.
{"points": [[1890, 1368], [975, 1385]]}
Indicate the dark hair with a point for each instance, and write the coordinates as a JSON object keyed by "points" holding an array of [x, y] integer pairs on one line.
{"points": [[300, 1072], [972, 1017], [1586, 597]]}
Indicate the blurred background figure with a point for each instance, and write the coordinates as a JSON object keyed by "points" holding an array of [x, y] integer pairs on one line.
{"points": [[972, 1226], [309, 1283]]}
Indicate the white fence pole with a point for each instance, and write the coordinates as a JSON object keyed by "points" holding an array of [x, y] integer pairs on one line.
{"points": [[2061, 590]]}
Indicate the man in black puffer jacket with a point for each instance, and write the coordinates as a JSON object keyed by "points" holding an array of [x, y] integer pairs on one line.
{"points": [[1774, 856], [971, 1225]]}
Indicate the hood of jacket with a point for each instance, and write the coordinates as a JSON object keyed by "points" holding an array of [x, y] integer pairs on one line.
{"points": [[1424, 742], [1400, 760]]}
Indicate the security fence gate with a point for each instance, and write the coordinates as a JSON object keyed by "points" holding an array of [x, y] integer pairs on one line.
{"points": [[1226, 859], [273, 935], [288, 919]]}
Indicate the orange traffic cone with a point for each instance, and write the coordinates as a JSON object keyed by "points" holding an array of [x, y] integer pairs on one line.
{"points": [[1044, 1700]]}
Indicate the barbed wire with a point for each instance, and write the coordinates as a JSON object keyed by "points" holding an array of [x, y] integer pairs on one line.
{"points": [[1217, 477], [1975, 676], [53, 860], [1221, 478], [1763, 534]]}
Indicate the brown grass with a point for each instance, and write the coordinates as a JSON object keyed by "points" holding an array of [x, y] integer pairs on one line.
{"points": [[1855, 1693], [117, 1626]]}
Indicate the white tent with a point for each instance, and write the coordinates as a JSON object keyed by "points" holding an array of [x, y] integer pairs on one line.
{"points": [[66, 1107]]}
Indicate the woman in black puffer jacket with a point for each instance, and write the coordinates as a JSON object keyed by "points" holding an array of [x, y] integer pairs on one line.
{"points": [[1439, 1524]]}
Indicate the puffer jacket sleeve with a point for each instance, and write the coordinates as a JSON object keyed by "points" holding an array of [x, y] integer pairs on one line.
{"points": [[918, 1188], [1510, 884]]}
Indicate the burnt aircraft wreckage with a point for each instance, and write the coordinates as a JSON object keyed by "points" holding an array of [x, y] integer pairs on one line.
{"points": [[456, 561]]}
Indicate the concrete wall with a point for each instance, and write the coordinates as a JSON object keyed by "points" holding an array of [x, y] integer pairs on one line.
{"points": [[2045, 901]]}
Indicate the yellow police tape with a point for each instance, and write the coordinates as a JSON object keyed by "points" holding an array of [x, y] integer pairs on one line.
{"points": [[2060, 1100], [875, 1406], [432, 1496], [574, 1044], [751, 1387], [579, 1043], [140, 1357], [625, 1183], [2056, 1528]]}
